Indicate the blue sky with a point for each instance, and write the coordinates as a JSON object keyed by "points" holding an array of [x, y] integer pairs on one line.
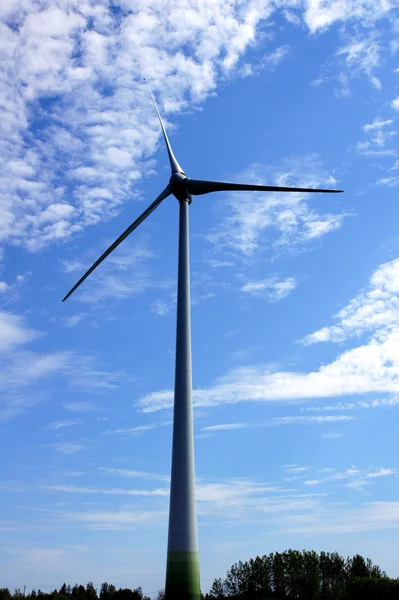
{"points": [[295, 301]]}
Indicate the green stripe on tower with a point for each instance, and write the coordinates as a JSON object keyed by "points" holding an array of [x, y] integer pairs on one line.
{"points": [[182, 576]]}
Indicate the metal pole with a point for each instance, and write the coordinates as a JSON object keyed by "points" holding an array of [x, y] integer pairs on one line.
{"points": [[182, 569]]}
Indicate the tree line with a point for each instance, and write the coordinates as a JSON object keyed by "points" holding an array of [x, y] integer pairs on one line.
{"points": [[289, 575], [294, 575], [77, 592]]}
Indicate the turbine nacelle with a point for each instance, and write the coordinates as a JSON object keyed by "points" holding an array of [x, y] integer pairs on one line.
{"points": [[178, 186]]}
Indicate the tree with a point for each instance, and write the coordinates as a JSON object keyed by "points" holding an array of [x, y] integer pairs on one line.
{"points": [[293, 573], [260, 579], [310, 580], [107, 590], [91, 592], [357, 567], [278, 576], [5, 594], [216, 591], [78, 592]]}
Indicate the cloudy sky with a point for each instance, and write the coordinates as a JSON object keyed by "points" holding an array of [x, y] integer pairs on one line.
{"points": [[295, 298]]}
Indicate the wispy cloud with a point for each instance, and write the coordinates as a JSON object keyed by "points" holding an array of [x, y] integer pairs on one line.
{"points": [[276, 421], [297, 419], [28, 377], [14, 332], [370, 368], [226, 426], [295, 468], [354, 478], [75, 489], [113, 280], [335, 520], [22, 376], [287, 218], [361, 55], [271, 288], [388, 181], [127, 431], [353, 405], [268, 63], [68, 447], [379, 133], [81, 406], [395, 103], [55, 425], [129, 473], [377, 308], [319, 15], [72, 320], [160, 308]]}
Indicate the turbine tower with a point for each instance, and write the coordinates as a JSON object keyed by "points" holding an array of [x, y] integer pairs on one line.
{"points": [[182, 569]]}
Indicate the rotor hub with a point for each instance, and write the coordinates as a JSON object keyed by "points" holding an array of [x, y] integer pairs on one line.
{"points": [[178, 184]]}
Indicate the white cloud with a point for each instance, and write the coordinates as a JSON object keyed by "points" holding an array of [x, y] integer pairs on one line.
{"points": [[389, 181], [268, 62], [81, 406], [87, 56], [287, 218], [332, 435], [377, 124], [61, 62], [295, 468], [226, 426], [129, 473], [68, 447], [60, 424], [75, 489], [395, 103], [362, 54], [377, 308], [358, 478], [379, 133], [371, 368], [131, 430], [353, 405], [277, 421], [160, 308], [272, 288], [13, 332], [72, 320], [321, 15], [301, 419]]}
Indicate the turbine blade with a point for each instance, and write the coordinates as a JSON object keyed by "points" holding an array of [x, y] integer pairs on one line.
{"points": [[198, 187], [166, 192], [174, 165]]}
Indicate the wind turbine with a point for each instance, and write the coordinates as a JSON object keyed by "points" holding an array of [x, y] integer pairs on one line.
{"points": [[182, 569]]}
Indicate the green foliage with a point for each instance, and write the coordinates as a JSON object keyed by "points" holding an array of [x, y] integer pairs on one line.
{"points": [[373, 588], [5, 594], [107, 591], [78, 592], [306, 575]]}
